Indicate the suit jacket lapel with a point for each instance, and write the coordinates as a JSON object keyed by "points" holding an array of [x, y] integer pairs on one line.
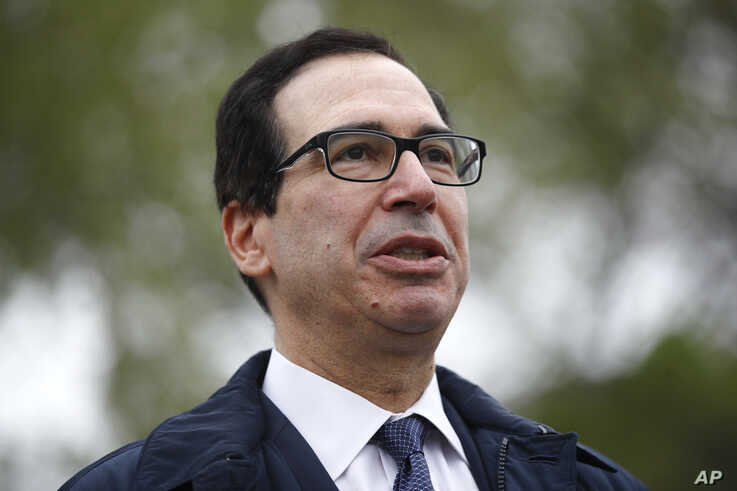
{"points": [[295, 453], [469, 446]]}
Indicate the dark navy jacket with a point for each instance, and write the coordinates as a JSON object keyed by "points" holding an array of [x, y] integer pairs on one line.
{"points": [[238, 440]]}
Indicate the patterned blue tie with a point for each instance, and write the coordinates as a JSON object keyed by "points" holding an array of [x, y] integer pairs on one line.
{"points": [[403, 440]]}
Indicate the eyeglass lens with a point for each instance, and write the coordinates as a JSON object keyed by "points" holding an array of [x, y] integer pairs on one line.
{"points": [[368, 156]]}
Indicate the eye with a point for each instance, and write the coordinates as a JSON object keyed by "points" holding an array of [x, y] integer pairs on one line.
{"points": [[436, 155], [355, 152]]}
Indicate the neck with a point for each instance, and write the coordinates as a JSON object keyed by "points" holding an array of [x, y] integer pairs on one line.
{"points": [[392, 374]]}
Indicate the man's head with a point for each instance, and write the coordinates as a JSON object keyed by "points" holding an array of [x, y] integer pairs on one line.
{"points": [[249, 137], [330, 251]]}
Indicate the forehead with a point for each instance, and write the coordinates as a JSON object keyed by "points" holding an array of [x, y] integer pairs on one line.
{"points": [[337, 90]]}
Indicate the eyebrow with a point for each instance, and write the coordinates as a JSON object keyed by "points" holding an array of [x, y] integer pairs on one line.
{"points": [[425, 129]]}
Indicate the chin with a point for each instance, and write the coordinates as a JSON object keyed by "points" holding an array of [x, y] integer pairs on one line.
{"points": [[411, 309], [416, 317], [411, 328]]}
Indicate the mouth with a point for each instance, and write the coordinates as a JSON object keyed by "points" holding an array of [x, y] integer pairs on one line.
{"points": [[411, 254], [412, 247]]}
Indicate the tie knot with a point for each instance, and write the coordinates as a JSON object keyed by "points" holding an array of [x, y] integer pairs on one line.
{"points": [[402, 437]]}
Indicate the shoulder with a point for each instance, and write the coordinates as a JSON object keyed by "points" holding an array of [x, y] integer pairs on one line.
{"points": [[114, 472], [597, 472], [527, 447]]}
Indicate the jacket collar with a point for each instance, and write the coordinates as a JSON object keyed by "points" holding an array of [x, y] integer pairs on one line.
{"points": [[228, 426], [480, 410], [231, 425]]}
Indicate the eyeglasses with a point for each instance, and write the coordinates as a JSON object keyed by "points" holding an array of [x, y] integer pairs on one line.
{"points": [[369, 156]]}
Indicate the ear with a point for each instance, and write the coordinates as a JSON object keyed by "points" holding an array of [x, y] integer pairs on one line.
{"points": [[241, 230]]}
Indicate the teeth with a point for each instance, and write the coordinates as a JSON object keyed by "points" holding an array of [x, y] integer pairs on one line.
{"points": [[410, 253]]}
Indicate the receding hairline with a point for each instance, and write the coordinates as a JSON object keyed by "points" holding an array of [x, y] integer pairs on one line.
{"points": [[277, 104], [346, 55]]}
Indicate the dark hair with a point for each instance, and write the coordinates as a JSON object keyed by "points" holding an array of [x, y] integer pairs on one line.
{"points": [[248, 138]]}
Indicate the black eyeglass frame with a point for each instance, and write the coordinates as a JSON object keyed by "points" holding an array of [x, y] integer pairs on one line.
{"points": [[320, 142]]}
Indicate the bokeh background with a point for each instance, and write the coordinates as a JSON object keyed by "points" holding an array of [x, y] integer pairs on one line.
{"points": [[603, 297]]}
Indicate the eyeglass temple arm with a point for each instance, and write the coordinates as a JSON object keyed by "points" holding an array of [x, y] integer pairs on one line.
{"points": [[298, 154], [468, 162]]}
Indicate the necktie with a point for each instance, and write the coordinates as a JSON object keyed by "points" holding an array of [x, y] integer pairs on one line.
{"points": [[402, 439]]}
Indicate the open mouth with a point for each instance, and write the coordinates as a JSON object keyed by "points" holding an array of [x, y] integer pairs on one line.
{"points": [[412, 248], [410, 253]]}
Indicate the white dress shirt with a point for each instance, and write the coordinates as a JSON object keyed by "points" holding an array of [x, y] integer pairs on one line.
{"points": [[338, 425]]}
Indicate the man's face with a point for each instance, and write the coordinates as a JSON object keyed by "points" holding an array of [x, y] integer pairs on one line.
{"points": [[336, 247]]}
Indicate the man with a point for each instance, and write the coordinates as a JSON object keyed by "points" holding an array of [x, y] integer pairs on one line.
{"points": [[343, 206]]}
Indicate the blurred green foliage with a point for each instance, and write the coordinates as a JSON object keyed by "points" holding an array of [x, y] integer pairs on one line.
{"points": [[665, 420], [107, 149]]}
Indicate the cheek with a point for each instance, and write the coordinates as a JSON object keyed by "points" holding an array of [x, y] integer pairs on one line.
{"points": [[321, 226], [456, 219], [340, 221]]}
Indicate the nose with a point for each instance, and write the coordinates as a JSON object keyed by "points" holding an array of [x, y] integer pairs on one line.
{"points": [[410, 186]]}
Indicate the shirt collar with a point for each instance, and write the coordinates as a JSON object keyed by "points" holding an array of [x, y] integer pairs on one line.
{"points": [[430, 406], [336, 422]]}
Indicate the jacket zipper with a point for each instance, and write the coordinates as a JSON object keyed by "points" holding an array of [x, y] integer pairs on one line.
{"points": [[501, 464]]}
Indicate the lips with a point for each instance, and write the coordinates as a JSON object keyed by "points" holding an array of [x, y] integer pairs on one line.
{"points": [[412, 245], [411, 255]]}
